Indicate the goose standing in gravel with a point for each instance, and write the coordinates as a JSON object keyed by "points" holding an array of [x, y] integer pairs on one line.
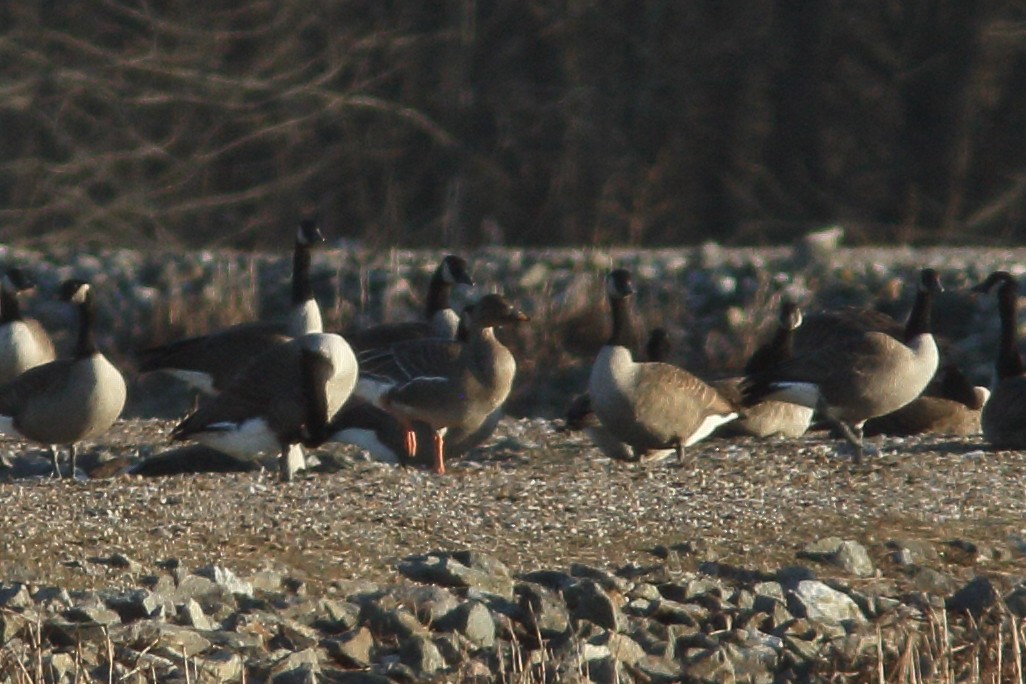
{"points": [[440, 319], [24, 343], [1003, 418], [68, 400], [445, 384], [649, 405], [284, 398], [951, 405], [851, 378], [209, 362], [769, 418]]}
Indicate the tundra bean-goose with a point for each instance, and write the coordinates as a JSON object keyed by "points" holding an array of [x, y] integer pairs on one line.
{"points": [[769, 418], [950, 405], [68, 400], [853, 377], [649, 405], [23, 341], [446, 384], [580, 416], [1003, 418], [284, 398], [440, 319], [209, 362]]}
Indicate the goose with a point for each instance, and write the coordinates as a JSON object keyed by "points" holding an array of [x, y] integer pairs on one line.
{"points": [[769, 418], [286, 397], [949, 406], [445, 384], [209, 362], [580, 416], [858, 375], [24, 343], [68, 400], [440, 319], [1003, 418], [649, 405]]}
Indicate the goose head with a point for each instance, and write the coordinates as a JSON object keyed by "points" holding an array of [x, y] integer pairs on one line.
{"points": [[309, 232], [75, 291], [790, 316], [619, 284], [1004, 280], [17, 280], [493, 310], [929, 281], [453, 271]]}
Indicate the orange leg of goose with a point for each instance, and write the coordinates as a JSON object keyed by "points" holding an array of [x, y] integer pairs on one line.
{"points": [[439, 454], [410, 441]]}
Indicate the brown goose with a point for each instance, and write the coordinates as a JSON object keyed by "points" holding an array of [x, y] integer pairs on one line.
{"points": [[769, 418], [445, 384], [209, 362], [649, 405], [284, 398], [1003, 418], [65, 401], [24, 343], [439, 320], [851, 378], [949, 406]]}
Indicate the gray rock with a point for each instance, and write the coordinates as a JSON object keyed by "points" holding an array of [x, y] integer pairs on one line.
{"points": [[266, 580], [161, 638], [226, 579], [15, 596], [60, 668], [853, 558], [194, 587], [392, 622], [975, 597], [934, 582], [710, 666], [619, 646], [92, 613], [673, 612], [1016, 601], [607, 580], [191, 614], [430, 603], [817, 601], [336, 616], [474, 621], [139, 604], [449, 572], [658, 670], [219, 666], [296, 668], [917, 551], [352, 649], [542, 610], [420, 653], [589, 601]]}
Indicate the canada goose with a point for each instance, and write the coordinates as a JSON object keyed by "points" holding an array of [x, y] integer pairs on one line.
{"points": [[209, 362], [65, 401], [853, 377], [580, 415], [285, 397], [769, 418], [439, 321], [1003, 418], [23, 341], [649, 405], [446, 384], [949, 406]]}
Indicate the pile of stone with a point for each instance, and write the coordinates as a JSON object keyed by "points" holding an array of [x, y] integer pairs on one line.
{"points": [[462, 616]]}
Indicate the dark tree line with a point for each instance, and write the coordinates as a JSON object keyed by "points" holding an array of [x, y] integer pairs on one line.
{"points": [[458, 122]]}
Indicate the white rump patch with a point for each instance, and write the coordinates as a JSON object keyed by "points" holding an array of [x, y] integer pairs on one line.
{"points": [[369, 442], [372, 390], [249, 439], [708, 425], [195, 379], [802, 393]]}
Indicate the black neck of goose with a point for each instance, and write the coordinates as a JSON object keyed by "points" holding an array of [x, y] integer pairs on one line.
{"points": [[777, 350], [623, 326], [919, 318], [9, 309], [438, 296], [86, 345], [301, 290], [1009, 361]]}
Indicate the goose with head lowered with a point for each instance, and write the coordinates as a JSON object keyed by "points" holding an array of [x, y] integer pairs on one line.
{"points": [[857, 375], [769, 418], [24, 343], [284, 398], [68, 400], [950, 405], [649, 405], [1003, 418], [445, 384], [209, 362], [440, 320]]}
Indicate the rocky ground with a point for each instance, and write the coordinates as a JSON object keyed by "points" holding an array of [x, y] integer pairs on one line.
{"points": [[534, 559]]}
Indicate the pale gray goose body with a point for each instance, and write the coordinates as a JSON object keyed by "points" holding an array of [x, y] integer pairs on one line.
{"points": [[284, 398], [210, 362], [769, 418], [1003, 418], [949, 406], [68, 400], [24, 343], [440, 320], [445, 384], [649, 405], [852, 377]]}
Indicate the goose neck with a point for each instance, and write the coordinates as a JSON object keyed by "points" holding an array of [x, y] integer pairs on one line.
{"points": [[302, 292], [919, 318], [86, 344], [1009, 361], [438, 296], [10, 311], [623, 326]]}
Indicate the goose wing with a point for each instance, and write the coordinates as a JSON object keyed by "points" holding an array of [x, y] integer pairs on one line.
{"points": [[412, 360], [38, 381]]}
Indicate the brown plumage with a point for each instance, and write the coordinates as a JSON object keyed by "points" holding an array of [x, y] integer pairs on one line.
{"points": [[951, 406], [24, 343], [649, 405], [1003, 418]]}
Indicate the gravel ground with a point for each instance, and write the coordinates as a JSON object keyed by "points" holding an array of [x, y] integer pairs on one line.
{"points": [[535, 497]]}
